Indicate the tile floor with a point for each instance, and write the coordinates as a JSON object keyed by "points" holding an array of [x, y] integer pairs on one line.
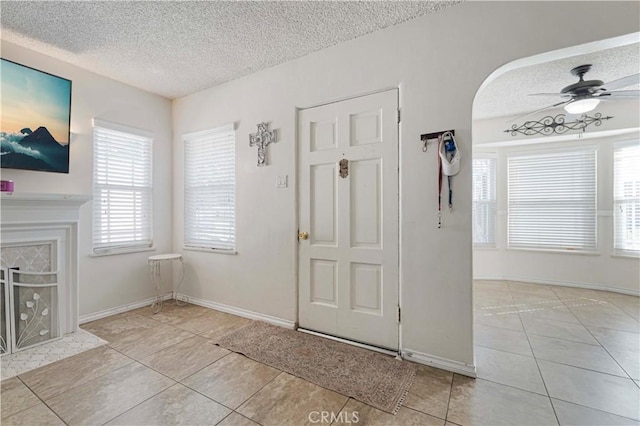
{"points": [[29, 359], [545, 355]]}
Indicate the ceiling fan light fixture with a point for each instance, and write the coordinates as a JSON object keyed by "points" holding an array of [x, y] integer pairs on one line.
{"points": [[581, 106]]}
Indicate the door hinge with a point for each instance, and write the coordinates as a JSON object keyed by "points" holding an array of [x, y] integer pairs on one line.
{"points": [[398, 110], [399, 314]]}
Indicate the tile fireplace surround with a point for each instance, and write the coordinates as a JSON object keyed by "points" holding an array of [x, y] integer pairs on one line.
{"points": [[39, 235]]}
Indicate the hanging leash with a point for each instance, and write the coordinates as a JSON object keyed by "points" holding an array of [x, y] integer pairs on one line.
{"points": [[439, 184], [450, 193], [448, 165]]}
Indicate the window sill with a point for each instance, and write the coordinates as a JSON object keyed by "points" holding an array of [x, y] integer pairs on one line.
{"points": [[485, 247], [212, 250], [122, 251], [626, 254], [555, 251]]}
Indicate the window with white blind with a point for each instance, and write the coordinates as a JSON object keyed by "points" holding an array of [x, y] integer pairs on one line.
{"points": [[552, 200], [626, 198], [484, 201], [122, 188], [210, 189]]}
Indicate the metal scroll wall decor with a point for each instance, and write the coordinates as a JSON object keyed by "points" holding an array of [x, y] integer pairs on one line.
{"points": [[550, 125], [262, 138]]}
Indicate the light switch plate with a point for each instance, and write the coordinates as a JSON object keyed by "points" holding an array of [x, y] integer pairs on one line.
{"points": [[282, 181]]}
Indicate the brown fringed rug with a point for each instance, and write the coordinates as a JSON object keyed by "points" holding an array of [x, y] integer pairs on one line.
{"points": [[370, 377]]}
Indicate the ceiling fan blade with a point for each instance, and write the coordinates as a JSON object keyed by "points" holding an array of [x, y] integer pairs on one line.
{"points": [[623, 82], [564, 95], [620, 94], [540, 110]]}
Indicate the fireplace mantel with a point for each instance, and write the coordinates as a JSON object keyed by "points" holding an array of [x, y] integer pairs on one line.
{"points": [[29, 218], [31, 207]]}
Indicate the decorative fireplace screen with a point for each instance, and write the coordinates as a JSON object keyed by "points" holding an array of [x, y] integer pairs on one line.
{"points": [[5, 322], [29, 309]]}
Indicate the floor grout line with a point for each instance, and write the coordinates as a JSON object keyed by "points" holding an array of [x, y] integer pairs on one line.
{"points": [[544, 383], [241, 415], [225, 417], [606, 350], [604, 302], [560, 338], [609, 328], [512, 387], [81, 384], [139, 404], [340, 411], [599, 344], [592, 408], [446, 414], [527, 335], [263, 386], [504, 350], [8, 358], [561, 321], [422, 412], [208, 365], [180, 380], [562, 363], [41, 400], [175, 382], [218, 402]]}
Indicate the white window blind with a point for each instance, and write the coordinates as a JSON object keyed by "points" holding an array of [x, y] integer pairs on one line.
{"points": [[210, 189], [626, 197], [552, 200], [122, 187], [484, 201]]}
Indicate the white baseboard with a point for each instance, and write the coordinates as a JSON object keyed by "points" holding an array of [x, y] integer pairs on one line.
{"points": [[441, 363], [489, 277], [602, 287], [120, 309], [238, 311]]}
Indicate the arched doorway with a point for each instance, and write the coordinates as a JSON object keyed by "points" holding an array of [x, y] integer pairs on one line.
{"points": [[555, 277]]}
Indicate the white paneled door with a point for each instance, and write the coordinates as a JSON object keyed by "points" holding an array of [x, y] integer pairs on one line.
{"points": [[348, 241]]}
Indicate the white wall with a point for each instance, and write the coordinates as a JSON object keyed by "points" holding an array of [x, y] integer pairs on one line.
{"points": [[109, 281], [438, 61], [601, 270]]}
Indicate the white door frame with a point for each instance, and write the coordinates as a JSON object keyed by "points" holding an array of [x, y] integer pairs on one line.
{"points": [[296, 271]]}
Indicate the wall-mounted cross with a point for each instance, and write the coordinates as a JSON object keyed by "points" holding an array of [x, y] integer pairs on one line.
{"points": [[261, 139]]}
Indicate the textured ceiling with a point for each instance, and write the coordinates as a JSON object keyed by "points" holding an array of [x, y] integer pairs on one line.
{"points": [[174, 48], [508, 93]]}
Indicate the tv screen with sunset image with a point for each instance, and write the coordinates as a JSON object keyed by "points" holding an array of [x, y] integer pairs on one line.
{"points": [[36, 114]]}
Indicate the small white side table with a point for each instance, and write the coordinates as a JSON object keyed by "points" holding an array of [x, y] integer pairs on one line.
{"points": [[155, 263]]}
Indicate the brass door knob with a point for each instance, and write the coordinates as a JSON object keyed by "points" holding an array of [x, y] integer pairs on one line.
{"points": [[303, 235]]}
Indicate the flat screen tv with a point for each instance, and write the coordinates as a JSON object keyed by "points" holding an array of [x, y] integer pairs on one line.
{"points": [[36, 118]]}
